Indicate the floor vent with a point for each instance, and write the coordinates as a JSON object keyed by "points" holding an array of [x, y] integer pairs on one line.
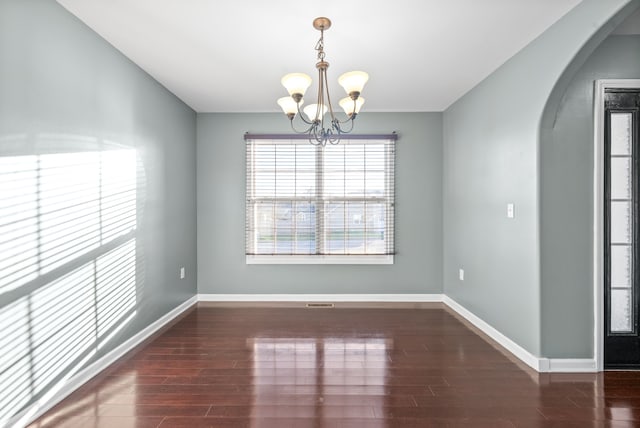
{"points": [[320, 305]]}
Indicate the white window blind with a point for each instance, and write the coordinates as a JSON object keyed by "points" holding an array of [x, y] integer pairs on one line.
{"points": [[306, 200]]}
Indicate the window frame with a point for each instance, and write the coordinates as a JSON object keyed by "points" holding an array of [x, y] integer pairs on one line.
{"points": [[388, 199]]}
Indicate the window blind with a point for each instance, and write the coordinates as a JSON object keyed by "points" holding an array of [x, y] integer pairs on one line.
{"points": [[312, 200]]}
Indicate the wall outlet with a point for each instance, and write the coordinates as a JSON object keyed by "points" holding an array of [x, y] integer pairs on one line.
{"points": [[461, 274], [183, 273]]}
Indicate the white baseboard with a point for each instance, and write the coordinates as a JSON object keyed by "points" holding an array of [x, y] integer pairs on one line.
{"points": [[511, 346], [38, 408], [572, 365], [327, 298], [542, 365]]}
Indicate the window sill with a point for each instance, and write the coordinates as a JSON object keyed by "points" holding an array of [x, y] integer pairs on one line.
{"points": [[319, 260]]}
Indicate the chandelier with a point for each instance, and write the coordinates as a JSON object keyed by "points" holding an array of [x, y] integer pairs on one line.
{"points": [[323, 128]]}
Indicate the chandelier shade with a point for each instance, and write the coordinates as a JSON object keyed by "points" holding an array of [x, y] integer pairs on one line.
{"points": [[289, 106], [319, 119], [296, 83], [353, 81], [315, 111], [348, 105]]}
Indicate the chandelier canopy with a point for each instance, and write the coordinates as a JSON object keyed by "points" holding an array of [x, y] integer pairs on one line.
{"points": [[322, 125]]}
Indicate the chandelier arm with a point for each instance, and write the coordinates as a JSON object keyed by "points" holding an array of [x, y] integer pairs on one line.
{"points": [[326, 85], [327, 135], [301, 116], [320, 103], [336, 126], [350, 118], [305, 131], [333, 137], [345, 131], [316, 139]]}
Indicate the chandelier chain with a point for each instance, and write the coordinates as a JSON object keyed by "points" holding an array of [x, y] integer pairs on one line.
{"points": [[320, 46]]}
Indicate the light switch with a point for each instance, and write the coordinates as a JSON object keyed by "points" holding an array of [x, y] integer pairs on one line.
{"points": [[182, 273], [461, 274], [511, 210]]}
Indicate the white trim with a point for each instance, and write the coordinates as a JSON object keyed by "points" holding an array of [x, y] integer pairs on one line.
{"points": [[572, 365], [511, 346], [41, 406], [319, 260], [539, 364], [326, 298], [598, 211]]}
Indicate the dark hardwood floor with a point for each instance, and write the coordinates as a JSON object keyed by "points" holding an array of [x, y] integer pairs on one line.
{"points": [[374, 368]]}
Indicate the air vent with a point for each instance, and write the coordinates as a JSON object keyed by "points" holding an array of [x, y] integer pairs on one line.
{"points": [[320, 305]]}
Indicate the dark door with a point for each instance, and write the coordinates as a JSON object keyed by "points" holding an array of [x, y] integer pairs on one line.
{"points": [[622, 231]]}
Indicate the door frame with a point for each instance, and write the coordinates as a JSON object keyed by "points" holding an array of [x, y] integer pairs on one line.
{"points": [[598, 210]]}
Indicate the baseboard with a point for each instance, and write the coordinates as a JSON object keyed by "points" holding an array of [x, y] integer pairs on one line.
{"points": [[41, 406], [331, 298], [572, 365], [542, 365], [511, 346]]}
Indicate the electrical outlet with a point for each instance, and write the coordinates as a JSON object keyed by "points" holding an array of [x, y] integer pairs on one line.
{"points": [[183, 273], [461, 274]]}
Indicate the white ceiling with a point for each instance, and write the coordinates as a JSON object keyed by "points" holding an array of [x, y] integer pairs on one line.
{"points": [[229, 55]]}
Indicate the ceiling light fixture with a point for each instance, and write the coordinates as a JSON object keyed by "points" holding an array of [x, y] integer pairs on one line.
{"points": [[316, 114]]}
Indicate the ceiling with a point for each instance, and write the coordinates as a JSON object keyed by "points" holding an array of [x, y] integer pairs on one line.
{"points": [[229, 55]]}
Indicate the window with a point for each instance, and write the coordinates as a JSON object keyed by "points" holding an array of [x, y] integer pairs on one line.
{"points": [[314, 204]]}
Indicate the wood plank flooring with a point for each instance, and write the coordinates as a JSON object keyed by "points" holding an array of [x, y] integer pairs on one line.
{"points": [[344, 368]]}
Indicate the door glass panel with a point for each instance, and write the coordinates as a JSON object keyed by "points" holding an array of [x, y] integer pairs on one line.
{"points": [[621, 266], [621, 178], [620, 222], [621, 311], [621, 133]]}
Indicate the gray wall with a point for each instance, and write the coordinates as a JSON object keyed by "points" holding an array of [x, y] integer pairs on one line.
{"points": [[65, 90], [221, 205], [491, 158], [566, 155]]}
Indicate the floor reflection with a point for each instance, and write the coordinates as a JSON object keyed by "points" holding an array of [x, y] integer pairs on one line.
{"points": [[305, 372], [270, 368]]}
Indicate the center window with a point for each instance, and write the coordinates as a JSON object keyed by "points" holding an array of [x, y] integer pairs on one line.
{"points": [[315, 204]]}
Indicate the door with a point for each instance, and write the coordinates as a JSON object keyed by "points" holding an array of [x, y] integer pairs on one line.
{"points": [[622, 229]]}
